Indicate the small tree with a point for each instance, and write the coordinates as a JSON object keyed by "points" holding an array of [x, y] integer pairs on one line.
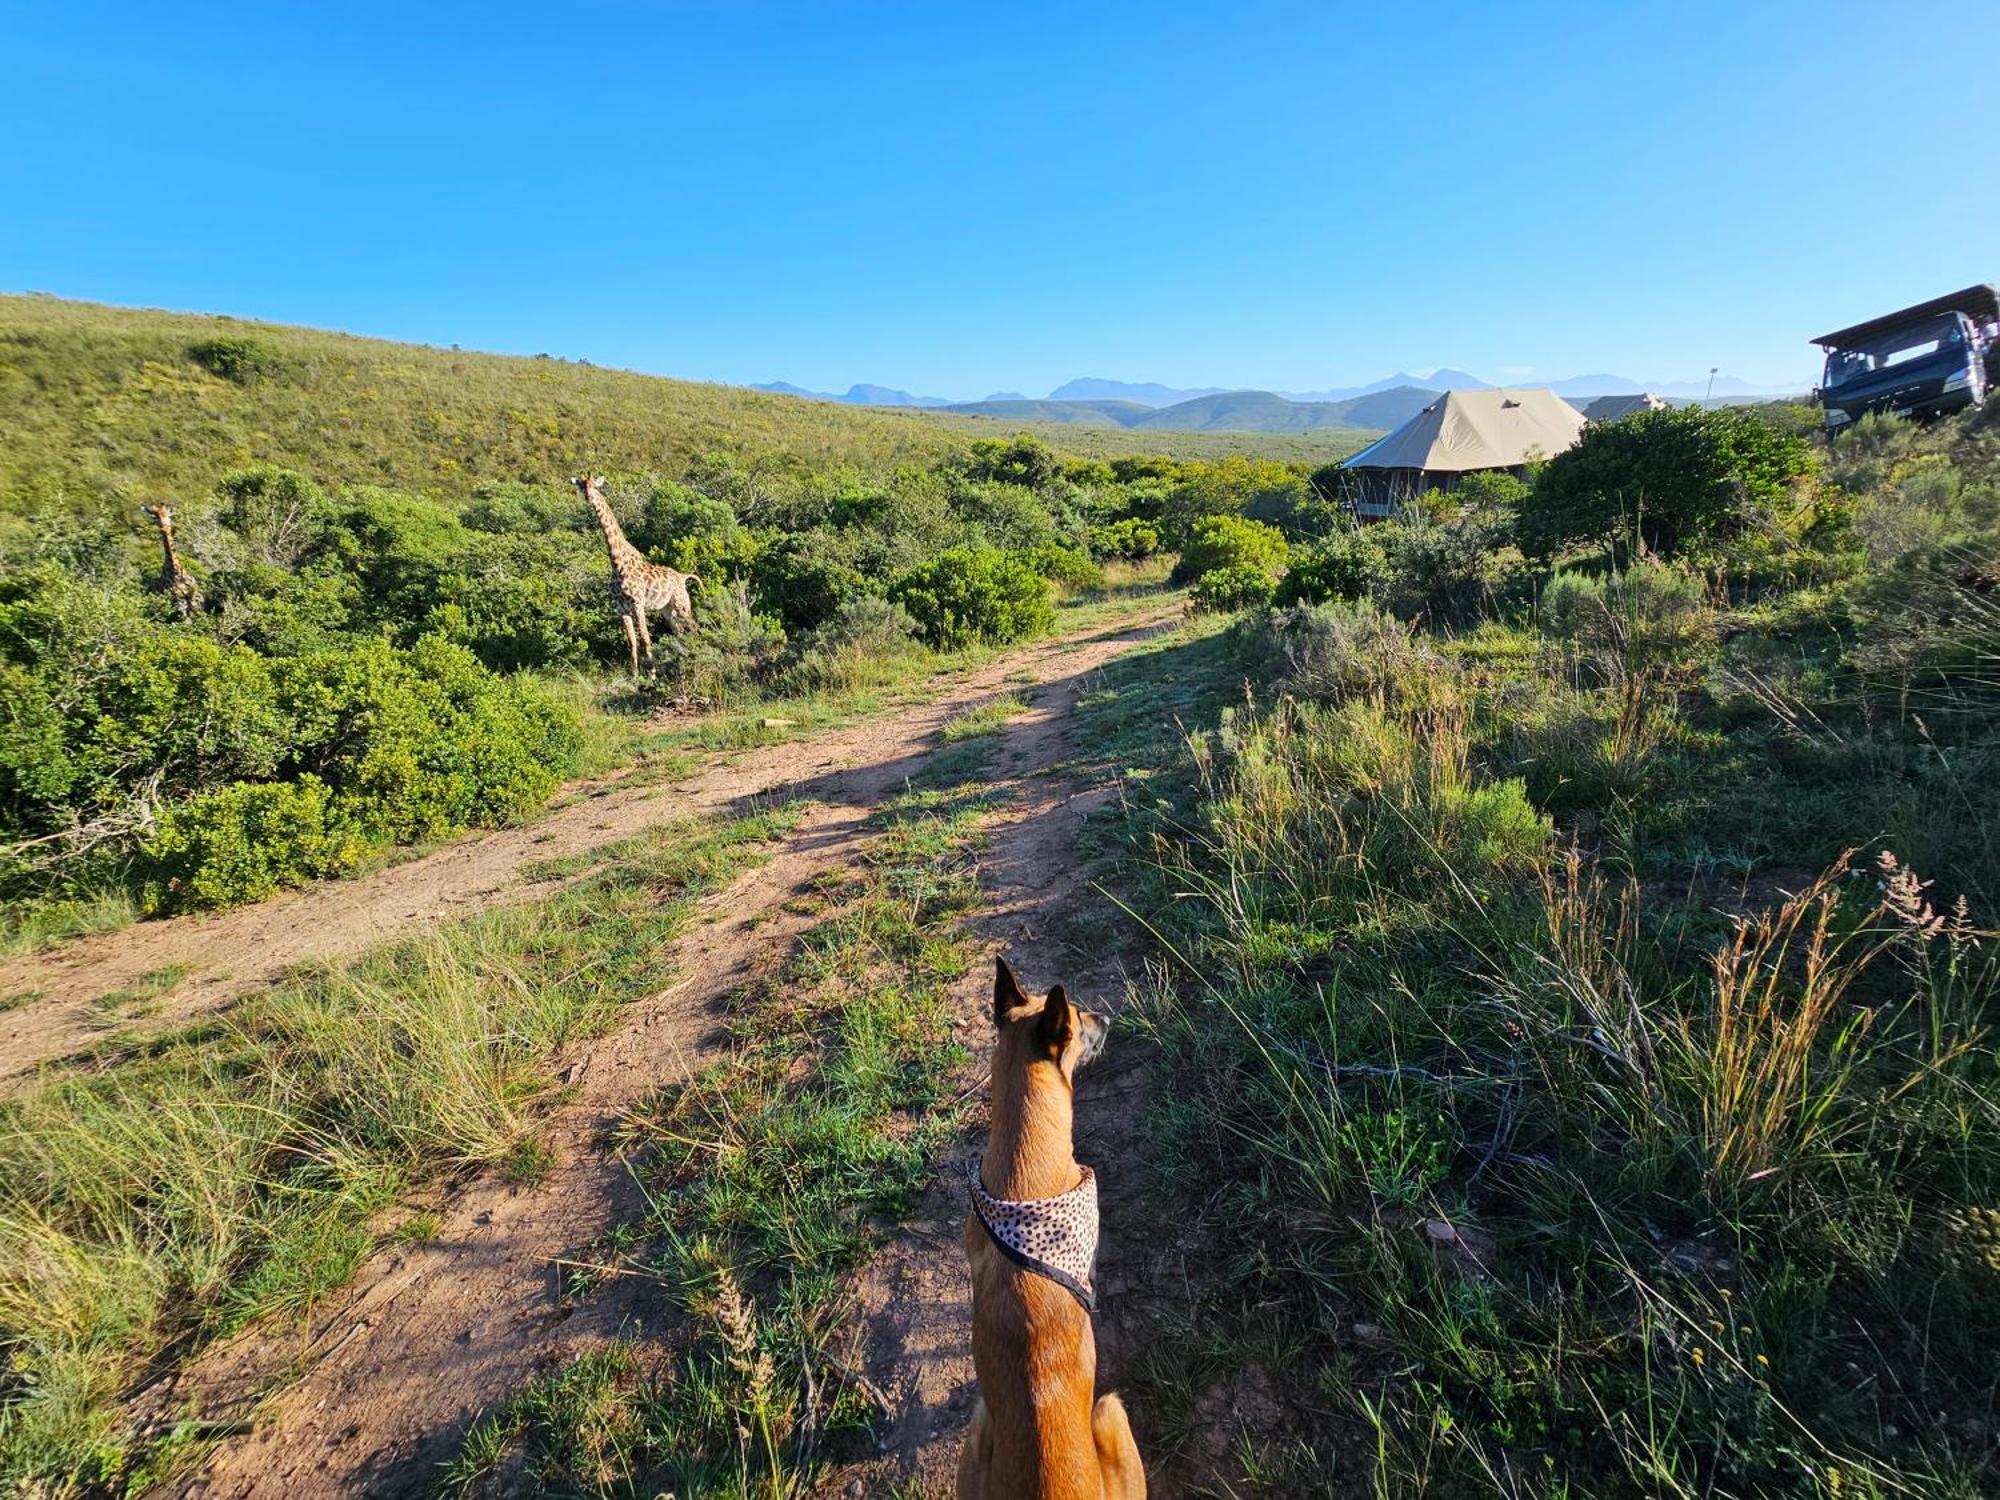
{"points": [[1675, 479]]}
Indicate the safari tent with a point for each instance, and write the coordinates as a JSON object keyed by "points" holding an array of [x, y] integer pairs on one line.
{"points": [[1611, 408], [1460, 433]]}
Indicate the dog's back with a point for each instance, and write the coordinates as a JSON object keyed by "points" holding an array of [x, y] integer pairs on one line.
{"points": [[1037, 1431]]}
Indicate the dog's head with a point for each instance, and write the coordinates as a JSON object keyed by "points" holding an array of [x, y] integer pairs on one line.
{"points": [[1042, 1029]]}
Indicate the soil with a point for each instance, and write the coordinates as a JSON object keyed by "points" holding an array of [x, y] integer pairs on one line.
{"points": [[377, 1387], [227, 954]]}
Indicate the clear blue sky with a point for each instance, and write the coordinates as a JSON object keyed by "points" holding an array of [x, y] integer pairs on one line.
{"points": [[956, 198]]}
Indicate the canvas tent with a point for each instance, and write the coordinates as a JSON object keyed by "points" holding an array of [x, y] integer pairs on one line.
{"points": [[1611, 408], [1460, 433]]}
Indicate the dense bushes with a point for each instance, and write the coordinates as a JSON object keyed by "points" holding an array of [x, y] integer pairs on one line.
{"points": [[969, 594], [1227, 541], [338, 692], [1673, 479]]}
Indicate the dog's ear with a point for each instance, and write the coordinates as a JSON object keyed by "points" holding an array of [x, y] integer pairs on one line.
{"points": [[1057, 1023], [1008, 995]]}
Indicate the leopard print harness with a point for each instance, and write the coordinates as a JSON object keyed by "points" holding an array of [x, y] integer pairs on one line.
{"points": [[1053, 1237]]}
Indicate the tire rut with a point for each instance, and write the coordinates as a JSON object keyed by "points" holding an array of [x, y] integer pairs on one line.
{"points": [[379, 1387], [230, 953]]}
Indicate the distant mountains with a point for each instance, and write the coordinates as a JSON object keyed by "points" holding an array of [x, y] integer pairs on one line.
{"points": [[1390, 402]]}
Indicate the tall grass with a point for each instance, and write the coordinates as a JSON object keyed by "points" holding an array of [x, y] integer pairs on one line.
{"points": [[770, 1177], [237, 1168], [1540, 1176]]}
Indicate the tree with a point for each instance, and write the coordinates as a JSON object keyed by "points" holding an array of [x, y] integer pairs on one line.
{"points": [[1675, 479]]}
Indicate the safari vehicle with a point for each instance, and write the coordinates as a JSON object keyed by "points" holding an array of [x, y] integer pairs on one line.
{"points": [[1924, 361]]}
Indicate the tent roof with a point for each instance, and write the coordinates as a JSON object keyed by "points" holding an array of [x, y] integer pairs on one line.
{"points": [[1611, 408], [1466, 430]]}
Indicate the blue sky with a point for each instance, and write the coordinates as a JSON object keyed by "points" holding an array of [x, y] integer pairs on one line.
{"points": [[957, 199]]}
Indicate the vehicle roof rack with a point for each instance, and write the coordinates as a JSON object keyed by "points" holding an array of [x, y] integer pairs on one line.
{"points": [[1980, 302]]}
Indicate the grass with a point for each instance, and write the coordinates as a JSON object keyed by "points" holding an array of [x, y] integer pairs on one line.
{"points": [[237, 1169], [987, 718], [772, 1177], [1525, 1168], [106, 402]]}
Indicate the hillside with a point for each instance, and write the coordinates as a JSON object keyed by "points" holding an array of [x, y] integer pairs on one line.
{"points": [[1351, 422], [103, 405]]}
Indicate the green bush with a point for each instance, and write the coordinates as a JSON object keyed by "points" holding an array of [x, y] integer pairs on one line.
{"points": [[853, 648], [1230, 542], [729, 648], [245, 842], [1232, 588], [237, 357], [1447, 571], [1130, 539], [969, 594], [1651, 617], [1347, 564], [1674, 479], [418, 744], [1342, 651], [1065, 566], [694, 533], [804, 577]]}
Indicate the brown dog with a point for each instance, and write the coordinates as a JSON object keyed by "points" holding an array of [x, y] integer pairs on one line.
{"points": [[1032, 1239]]}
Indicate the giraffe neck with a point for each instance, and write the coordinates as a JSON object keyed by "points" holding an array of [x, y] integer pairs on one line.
{"points": [[623, 554]]}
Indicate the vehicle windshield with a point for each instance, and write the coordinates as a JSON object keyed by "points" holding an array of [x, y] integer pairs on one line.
{"points": [[1912, 341]]}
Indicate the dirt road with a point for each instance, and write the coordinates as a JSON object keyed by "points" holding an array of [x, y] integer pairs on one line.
{"points": [[379, 1389], [231, 952]]}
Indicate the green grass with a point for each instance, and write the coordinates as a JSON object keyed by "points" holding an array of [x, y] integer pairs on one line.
{"points": [[1523, 1175], [106, 403], [772, 1176], [237, 1169], [989, 717]]}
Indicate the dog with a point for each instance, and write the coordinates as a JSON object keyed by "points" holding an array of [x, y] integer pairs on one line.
{"points": [[1031, 1239]]}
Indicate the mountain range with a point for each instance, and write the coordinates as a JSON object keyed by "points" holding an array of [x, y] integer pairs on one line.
{"points": [[1390, 402]]}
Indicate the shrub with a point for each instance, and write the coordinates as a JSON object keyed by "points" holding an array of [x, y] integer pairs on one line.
{"points": [[237, 357], [419, 744], [1649, 618], [1674, 478], [853, 648], [279, 513], [729, 648], [1348, 564], [969, 594], [244, 842], [1446, 571], [1232, 588], [1064, 565], [1229, 542], [803, 578], [1130, 539], [1340, 651], [694, 533]]}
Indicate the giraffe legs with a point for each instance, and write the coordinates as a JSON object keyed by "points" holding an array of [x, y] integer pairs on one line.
{"points": [[645, 634], [632, 642]]}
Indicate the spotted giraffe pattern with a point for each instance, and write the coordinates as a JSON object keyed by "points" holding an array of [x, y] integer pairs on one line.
{"points": [[1053, 1237], [175, 581], [639, 587]]}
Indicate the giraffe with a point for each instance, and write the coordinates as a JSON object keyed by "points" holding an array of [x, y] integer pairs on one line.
{"points": [[638, 587], [175, 581]]}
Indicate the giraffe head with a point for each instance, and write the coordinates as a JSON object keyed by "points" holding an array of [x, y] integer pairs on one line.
{"points": [[591, 485], [163, 515]]}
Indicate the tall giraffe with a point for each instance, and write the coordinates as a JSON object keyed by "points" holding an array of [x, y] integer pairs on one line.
{"points": [[638, 587], [175, 581]]}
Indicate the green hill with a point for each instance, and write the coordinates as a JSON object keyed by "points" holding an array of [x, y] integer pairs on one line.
{"points": [[113, 406], [1342, 426]]}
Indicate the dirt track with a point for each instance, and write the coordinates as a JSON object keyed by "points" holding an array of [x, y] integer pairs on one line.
{"points": [[378, 1390], [232, 952]]}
